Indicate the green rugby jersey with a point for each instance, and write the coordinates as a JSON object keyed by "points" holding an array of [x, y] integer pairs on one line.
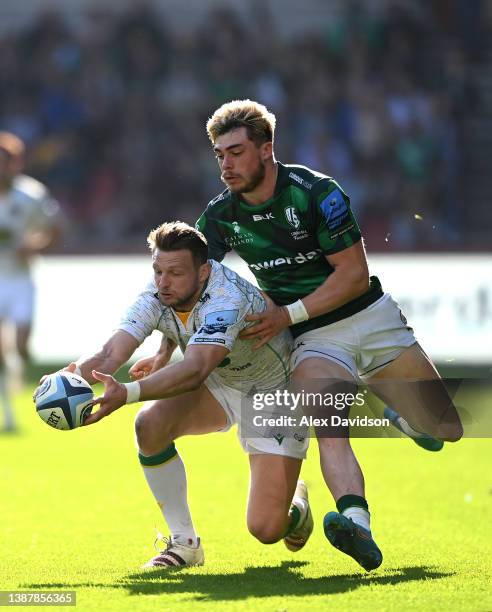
{"points": [[284, 240]]}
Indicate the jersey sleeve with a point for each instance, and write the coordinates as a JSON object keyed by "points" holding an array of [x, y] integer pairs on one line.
{"points": [[217, 247], [222, 322], [43, 209], [336, 226], [142, 317]]}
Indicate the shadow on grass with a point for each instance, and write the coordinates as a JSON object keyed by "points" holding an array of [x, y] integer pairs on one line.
{"points": [[270, 581]]}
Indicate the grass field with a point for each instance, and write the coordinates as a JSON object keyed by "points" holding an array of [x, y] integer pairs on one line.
{"points": [[76, 515]]}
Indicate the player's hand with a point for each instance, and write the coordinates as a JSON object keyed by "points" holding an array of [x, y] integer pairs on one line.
{"points": [[114, 397], [268, 323], [71, 367], [147, 365]]}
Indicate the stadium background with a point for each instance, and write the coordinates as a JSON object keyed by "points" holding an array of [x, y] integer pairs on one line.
{"points": [[391, 97]]}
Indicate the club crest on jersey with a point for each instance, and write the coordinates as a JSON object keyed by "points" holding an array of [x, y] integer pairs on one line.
{"points": [[236, 227], [292, 218]]}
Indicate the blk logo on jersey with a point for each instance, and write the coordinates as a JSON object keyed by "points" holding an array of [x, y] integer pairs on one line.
{"points": [[292, 218], [263, 217]]}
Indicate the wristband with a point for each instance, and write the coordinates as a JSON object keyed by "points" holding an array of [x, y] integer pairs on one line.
{"points": [[132, 392], [297, 312]]}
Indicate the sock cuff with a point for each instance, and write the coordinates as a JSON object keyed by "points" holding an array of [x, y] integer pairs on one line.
{"points": [[155, 460], [295, 517], [347, 501]]}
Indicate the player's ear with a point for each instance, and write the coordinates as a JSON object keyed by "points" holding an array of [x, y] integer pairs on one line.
{"points": [[204, 272], [266, 151]]}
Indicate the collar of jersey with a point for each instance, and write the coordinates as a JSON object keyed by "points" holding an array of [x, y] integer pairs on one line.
{"points": [[282, 181]]}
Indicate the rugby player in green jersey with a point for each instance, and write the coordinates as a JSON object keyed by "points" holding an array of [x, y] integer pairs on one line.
{"points": [[295, 229]]}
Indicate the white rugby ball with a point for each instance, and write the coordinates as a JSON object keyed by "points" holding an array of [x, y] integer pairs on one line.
{"points": [[63, 400]]}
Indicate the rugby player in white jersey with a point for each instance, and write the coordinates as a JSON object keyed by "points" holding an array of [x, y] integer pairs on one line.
{"points": [[28, 225], [201, 306]]}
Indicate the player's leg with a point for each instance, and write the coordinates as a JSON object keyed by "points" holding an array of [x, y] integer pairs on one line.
{"points": [[157, 425], [339, 465], [349, 528], [5, 401], [411, 385], [272, 486], [22, 335], [22, 309], [396, 368]]}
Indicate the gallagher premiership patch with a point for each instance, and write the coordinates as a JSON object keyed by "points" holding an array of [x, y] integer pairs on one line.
{"points": [[335, 210], [218, 322]]}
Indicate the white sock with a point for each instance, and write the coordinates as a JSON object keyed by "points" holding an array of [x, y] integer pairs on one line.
{"points": [[8, 413], [302, 505], [359, 516], [410, 431], [167, 482]]}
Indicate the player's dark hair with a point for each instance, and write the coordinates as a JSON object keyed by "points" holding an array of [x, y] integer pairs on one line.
{"points": [[256, 118], [177, 236]]}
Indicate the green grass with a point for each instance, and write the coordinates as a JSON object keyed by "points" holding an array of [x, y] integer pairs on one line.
{"points": [[76, 515]]}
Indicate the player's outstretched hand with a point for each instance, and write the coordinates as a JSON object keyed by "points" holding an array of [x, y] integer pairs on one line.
{"points": [[142, 368], [114, 397], [147, 365], [268, 323], [71, 367]]}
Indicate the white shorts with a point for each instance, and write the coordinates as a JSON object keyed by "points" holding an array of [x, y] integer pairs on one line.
{"points": [[285, 441], [363, 343], [16, 299]]}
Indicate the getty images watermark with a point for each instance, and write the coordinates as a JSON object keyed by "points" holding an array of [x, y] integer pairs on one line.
{"points": [[285, 408]]}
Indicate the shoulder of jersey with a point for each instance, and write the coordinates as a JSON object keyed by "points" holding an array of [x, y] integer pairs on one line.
{"points": [[29, 187], [307, 179], [222, 197], [226, 283]]}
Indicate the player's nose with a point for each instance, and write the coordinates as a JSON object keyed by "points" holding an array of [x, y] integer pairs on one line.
{"points": [[163, 281], [227, 162]]}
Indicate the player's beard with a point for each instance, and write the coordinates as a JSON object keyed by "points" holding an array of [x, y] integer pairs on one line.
{"points": [[254, 180], [185, 303]]}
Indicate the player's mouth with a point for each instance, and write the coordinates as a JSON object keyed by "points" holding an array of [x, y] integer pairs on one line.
{"points": [[229, 178]]}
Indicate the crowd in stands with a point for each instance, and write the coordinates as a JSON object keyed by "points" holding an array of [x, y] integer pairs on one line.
{"points": [[113, 113]]}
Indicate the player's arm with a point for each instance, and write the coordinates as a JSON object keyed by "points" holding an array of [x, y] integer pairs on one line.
{"points": [[148, 365], [44, 229], [113, 354], [349, 280], [186, 375]]}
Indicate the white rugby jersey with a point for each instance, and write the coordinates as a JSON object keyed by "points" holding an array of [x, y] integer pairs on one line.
{"points": [[217, 318], [27, 207]]}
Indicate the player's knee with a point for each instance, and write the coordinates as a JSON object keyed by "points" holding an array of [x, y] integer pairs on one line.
{"points": [[452, 432], [266, 531], [150, 437]]}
